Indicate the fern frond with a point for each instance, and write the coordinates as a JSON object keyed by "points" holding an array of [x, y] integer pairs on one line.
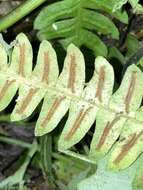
{"points": [[118, 115], [76, 21]]}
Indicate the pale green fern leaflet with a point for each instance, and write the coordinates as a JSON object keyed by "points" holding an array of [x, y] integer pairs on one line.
{"points": [[118, 115]]}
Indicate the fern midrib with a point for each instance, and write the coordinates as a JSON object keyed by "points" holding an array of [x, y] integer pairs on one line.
{"points": [[78, 22], [10, 75]]}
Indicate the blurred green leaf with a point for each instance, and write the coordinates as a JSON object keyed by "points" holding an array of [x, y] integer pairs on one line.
{"points": [[132, 44], [115, 53]]}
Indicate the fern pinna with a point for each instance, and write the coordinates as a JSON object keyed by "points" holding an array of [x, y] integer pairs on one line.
{"points": [[118, 115]]}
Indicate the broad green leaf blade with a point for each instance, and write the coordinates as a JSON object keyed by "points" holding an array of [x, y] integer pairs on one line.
{"points": [[101, 23], [129, 146], [128, 97], [82, 114], [56, 104], [107, 180], [104, 179], [45, 73], [108, 128]]}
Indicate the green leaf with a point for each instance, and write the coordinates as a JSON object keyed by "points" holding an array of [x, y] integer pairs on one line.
{"points": [[55, 103], [108, 123], [115, 53], [45, 72], [21, 63], [132, 45], [108, 7], [101, 23], [106, 180], [75, 21], [129, 147], [82, 113], [118, 115], [108, 128]]}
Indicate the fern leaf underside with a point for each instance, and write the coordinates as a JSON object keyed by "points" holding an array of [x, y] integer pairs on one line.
{"points": [[118, 115]]}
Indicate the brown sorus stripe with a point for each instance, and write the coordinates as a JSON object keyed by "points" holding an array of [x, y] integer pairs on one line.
{"points": [[72, 72], [27, 100], [22, 59], [100, 84], [130, 92], [106, 131], [77, 123], [46, 70], [126, 147], [51, 112], [5, 88]]}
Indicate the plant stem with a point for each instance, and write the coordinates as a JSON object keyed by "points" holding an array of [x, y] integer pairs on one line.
{"points": [[46, 159], [18, 13], [15, 142], [78, 156]]}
